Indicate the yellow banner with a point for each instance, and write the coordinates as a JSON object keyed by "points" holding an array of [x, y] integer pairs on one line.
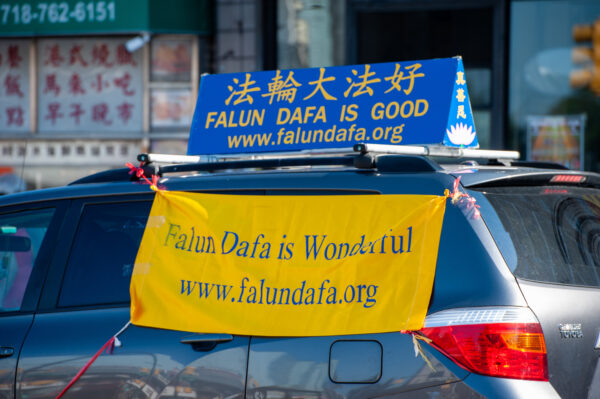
{"points": [[287, 265]]}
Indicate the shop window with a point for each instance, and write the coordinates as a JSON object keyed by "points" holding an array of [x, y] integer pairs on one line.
{"points": [[310, 33], [323, 33], [173, 82], [388, 35], [171, 60], [554, 104]]}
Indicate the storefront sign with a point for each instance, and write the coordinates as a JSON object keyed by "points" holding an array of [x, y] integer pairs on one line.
{"points": [[413, 102], [14, 86], [89, 85], [43, 17], [287, 265], [556, 138]]}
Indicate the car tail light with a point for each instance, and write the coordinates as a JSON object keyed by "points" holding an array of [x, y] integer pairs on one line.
{"points": [[567, 179], [499, 342]]}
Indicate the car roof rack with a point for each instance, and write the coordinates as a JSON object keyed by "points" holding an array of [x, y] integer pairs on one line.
{"points": [[437, 151], [424, 150], [384, 158], [151, 165]]}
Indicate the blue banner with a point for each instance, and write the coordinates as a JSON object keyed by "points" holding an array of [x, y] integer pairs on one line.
{"points": [[405, 103]]}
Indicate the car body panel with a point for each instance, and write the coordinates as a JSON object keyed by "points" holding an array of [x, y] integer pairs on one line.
{"points": [[471, 272], [572, 358], [149, 361], [305, 367], [15, 325], [550, 238], [12, 333], [63, 337], [501, 388]]}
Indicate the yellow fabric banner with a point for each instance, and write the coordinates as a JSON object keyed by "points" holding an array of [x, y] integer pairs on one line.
{"points": [[287, 265]]}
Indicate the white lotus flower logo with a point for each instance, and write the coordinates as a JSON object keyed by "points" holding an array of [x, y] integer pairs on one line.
{"points": [[461, 134]]}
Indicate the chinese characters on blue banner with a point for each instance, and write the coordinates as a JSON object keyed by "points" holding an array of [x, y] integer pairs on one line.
{"points": [[417, 102]]}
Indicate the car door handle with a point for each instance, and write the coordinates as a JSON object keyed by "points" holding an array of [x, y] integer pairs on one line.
{"points": [[198, 338], [206, 342], [6, 351]]}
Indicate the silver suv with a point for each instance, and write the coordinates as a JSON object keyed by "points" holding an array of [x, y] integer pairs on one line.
{"points": [[513, 311]]}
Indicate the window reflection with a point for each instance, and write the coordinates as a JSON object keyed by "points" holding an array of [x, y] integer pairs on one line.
{"points": [[547, 78]]}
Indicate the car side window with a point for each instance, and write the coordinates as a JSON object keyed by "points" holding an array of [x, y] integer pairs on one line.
{"points": [[21, 236], [103, 253]]}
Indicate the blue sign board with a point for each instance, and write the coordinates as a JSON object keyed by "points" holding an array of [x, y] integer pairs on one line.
{"points": [[406, 103]]}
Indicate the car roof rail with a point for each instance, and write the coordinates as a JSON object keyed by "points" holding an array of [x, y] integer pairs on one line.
{"points": [[535, 164], [384, 158], [362, 148], [358, 161], [437, 151], [152, 164]]}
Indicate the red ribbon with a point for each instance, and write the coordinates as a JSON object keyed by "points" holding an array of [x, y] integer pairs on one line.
{"points": [[463, 200], [108, 347], [139, 172]]}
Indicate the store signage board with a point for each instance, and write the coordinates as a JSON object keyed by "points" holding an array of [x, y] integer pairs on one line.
{"points": [[76, 17], [15, 99], [89, 84], [405, 103]]}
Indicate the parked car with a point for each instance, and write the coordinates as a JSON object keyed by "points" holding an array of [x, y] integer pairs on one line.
{"points": [[514, 310]]}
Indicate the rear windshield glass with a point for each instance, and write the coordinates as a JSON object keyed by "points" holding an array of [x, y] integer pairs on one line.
{"points": [[546, 234]]}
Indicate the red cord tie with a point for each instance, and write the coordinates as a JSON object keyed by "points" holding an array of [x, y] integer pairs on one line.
{"points": [[140, 174], [108, 347], [463, 200]]}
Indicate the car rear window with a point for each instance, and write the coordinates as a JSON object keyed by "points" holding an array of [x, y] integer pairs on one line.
{"points": [[546, 234]]}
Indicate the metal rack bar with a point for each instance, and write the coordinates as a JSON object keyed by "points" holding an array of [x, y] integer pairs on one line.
{"points": [[436, 151], [272, 163], [167, 158]]}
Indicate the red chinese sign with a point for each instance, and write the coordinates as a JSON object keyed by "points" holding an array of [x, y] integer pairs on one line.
{"points": [[89, 85], [14, 86]]}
